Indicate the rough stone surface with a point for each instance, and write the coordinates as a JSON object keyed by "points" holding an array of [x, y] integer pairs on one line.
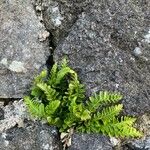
{"points": [[18, 132], [101, 48], [60, 15], [22, 55], [142, 144], [90, 142], [1, 114], [33, 136], [12, 115]]}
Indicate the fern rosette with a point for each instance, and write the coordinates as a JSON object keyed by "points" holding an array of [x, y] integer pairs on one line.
{"points": [[59, 98]]}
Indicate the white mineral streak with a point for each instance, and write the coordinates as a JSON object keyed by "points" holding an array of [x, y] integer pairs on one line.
{"points": [[137, 51], [6, 143], [57, 18], [4, 135], [114, 141], [147, 37], [4, 61], [46, 147], [17, 66]]}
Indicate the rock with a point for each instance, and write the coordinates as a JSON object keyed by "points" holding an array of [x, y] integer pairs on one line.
{"points": [[142, 144], [17, 131], [33, 136], [12, 115], [22, 55], [90, 142], [60, 15], [100, 48], [143, 124], [1, 114]]}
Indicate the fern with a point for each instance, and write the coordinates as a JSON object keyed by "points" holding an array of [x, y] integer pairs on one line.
{"points": [[52, 107], [107, 114], [59, 98], [36, 109], [102, 98], [49, 92], [121, 128], [53, 74]]}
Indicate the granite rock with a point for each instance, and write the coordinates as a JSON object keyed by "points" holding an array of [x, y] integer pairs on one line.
{"points": [[12, 115], [90, 142], [101, 48], [1, 114], [59, 15], [141, 144], [33, 136], [22, 55], [18, 131]]}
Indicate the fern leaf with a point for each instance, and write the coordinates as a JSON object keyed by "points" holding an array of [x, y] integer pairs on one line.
{"points": [[50, 93], [69, 122], [121, 128], [77, 90], [107, 114], [40, 77], [54, 121], [64, 63], [85, 115], [102, 98], [35, 108], [35, 91], [130, 132], [62, 73], [52, 107], [53, 74]]}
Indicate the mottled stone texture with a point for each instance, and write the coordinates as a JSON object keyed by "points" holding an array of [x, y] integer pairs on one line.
{"points": [[109, 48], [33, 136], [21, 53], [90, 142], [60, 15], [142, 144]]}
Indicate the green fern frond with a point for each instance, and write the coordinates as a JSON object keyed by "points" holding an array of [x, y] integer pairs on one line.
{"points": [[36, 109], [64, 63], [69, 122], [50, 93], [76, 89], [40, 77], [130, 132], [62, 73], [53, 75], [54, 121], [35, 91], [107, 114], [102, 98], [121, 128], [52, 107]]}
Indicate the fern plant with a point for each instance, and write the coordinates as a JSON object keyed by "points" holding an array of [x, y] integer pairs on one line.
{"points": [[59, 98]]}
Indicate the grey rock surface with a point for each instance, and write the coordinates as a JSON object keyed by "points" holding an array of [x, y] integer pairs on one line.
{"points": [[60, 15], [19, 132], [22, 55], [1, 114], [109, 48], [12, 115], [90, 142], [142, 144], [33, 136]]}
